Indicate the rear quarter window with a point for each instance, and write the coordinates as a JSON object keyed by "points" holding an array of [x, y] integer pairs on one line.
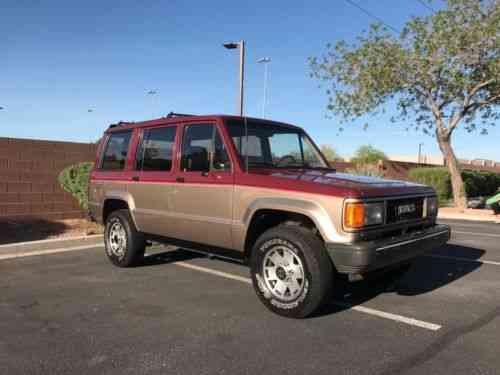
{"points": [[116, 151]]}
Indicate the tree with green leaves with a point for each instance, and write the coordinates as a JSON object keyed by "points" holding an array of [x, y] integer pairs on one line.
{"points": [[441, 72], [367, 154], [330, 153]]}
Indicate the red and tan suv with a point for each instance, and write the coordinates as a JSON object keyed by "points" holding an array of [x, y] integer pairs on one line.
{"points": [[259, 191]]}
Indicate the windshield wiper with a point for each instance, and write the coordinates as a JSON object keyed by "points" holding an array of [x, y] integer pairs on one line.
{"points": [[296, 165], [307, 166]]}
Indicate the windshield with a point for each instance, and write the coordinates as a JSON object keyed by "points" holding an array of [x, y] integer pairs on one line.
{"points": [[274, 146]]}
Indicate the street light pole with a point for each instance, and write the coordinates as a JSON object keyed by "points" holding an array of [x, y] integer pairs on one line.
{"points": [[265, 61], [242, 73], [241, 46], [420, 153]]}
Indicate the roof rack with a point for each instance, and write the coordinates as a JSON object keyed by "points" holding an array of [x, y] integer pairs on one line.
{"points": [[120, 123], [170, 115], [174, 114]]}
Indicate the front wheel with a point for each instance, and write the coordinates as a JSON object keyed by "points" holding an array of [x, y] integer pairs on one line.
{"points": [[291, 271], [124, 244]]}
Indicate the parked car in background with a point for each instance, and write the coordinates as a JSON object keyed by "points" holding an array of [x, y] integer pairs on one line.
{"points": [[259, 191]]}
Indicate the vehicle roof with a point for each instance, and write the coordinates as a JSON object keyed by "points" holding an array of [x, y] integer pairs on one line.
{"points": [[123, 125]]}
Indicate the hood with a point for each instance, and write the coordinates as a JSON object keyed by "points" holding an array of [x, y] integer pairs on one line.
{"points": [[363, 186]]}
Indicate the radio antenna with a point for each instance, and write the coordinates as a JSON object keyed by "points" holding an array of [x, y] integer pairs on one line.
{"points": [[246, 143]]}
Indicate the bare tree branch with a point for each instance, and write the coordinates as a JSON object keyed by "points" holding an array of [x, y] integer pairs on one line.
{"points": [[455, 119], [476, 105], [474, 91]]}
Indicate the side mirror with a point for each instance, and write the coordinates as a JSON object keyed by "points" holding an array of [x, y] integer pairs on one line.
{"points": [[221, 165]]}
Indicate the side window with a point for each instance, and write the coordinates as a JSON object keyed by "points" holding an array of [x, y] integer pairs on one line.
{"points": [[311, 156], [196, 148], [115, 153], [156, 149], [220, 161], [286, 145], [254, 147]]}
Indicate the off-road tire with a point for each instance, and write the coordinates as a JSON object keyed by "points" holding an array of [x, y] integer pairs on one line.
{"points": [[132, 253], [318, 270]]}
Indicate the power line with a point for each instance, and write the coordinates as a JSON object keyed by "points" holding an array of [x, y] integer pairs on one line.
{"points": [[372, 16], [427, 6]]}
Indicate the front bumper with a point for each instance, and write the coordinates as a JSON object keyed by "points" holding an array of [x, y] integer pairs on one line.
{"points": [[366, 256]]}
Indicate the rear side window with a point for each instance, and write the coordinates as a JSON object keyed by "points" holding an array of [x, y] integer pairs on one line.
{"points": [[156, 149], [115, 153]]}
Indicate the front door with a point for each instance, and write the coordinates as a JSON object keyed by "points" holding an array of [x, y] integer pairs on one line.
{"points": [[203, 193]]}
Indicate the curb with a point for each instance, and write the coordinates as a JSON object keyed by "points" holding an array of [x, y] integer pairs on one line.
{"points": [[48, 245]]}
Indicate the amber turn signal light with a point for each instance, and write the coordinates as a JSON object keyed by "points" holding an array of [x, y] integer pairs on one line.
{"points": [[354, 215]]}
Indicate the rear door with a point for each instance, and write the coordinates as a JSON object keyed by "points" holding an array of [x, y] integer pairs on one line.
{"points": [[152, 179], [203, 194]]}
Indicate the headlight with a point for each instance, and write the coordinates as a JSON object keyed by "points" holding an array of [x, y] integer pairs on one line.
{"points": [[432, 206], [358, 215]]}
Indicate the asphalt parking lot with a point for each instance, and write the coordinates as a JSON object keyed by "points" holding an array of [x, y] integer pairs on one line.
{"points": [[181, 313]]}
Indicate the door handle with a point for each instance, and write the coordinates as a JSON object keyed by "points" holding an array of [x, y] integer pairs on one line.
{"points": [[135, 178], [179, 179]]}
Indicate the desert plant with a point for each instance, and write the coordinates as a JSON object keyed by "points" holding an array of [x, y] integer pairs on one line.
{"points": [[75, 180], [371, 170], [367, 154]]}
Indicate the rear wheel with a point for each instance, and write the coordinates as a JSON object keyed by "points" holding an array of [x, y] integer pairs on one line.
{"points": [[291, 271], [124, 244]]}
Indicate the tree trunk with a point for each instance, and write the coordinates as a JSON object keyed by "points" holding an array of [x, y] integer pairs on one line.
{"points": [[457, 183]]}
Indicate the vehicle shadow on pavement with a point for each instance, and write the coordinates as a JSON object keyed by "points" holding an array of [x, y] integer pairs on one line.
{"points": [[168, 256], [426, 274], [29, 230]]}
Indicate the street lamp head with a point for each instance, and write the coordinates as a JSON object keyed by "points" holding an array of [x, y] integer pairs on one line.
{"points": [[264, 60], [231, 45], [1, 108], [151, 92]]}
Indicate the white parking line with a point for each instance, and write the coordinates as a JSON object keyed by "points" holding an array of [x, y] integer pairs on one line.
{"points": [[386, 315], [475, 233], [49, 251], [214, 272], [363, 309]]}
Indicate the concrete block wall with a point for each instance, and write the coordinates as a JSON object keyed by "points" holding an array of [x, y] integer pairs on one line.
{"points": [[28, 178]]}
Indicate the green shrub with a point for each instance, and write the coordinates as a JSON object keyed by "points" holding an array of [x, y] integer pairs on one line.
{"points": [[438, 178], [75, 180], [477, 183]]}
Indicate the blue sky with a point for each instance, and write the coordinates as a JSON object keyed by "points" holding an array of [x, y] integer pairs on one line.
{"points": [[60, 58]]}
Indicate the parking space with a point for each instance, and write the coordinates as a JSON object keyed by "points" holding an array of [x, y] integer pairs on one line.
{"points": [[182, 313]]}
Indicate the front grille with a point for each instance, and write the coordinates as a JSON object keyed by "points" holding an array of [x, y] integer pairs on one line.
{"points": [[401, 210]]}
